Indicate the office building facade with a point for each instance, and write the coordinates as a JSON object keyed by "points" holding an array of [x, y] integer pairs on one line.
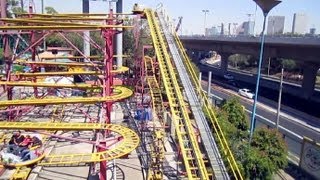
{"points": [[275, 25], [299, 25]]}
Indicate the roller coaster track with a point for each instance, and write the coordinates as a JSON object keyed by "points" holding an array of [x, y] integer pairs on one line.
{"points": [[70, 73], [60, 63], [191, 154], [155, 171], [154, 88], [120, 93], [49, 85], [129, 142], [207, 138], [225, 150]]}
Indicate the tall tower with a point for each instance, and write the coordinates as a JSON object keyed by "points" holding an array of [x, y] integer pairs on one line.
{"points": [[222, 29], [299, 24], [275, 25]]}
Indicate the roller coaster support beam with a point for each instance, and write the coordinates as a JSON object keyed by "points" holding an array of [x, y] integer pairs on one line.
{"points": [[33, 51], [5, 42], [108, 35]]}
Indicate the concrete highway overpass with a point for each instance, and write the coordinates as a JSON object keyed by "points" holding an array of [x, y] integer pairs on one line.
{"points": [[306, 51]]}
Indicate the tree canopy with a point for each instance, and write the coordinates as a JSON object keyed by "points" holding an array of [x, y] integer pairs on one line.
{"points": [[236, 114], [267, 152], [50, 10]]}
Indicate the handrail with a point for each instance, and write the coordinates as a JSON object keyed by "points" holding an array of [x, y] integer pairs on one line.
{"points": [[192, 156], [217, 129]]}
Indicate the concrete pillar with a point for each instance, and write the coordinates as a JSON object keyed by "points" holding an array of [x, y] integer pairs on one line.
{"points": [[224, 62], [309, 79]]}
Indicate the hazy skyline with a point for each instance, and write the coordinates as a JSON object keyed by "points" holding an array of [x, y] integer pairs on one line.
{"points": [[227, 11]]}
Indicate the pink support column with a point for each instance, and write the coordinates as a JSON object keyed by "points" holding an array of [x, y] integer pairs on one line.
{"points": [[108, 35]]}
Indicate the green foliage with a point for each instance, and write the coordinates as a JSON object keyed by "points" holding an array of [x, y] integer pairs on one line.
{"points": [[270, 142], [54, 40], [13, 3], [17, 68], [267, 152], [18, 10], [241, 60], [51, 10], [96, 37], [288, 64], [76, 40], [236, 114], [257, 165], [1, 55]]}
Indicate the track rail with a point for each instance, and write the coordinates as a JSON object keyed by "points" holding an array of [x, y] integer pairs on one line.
{"points": [[225, 150], [121, 93], [130, 140], [191, 154]]}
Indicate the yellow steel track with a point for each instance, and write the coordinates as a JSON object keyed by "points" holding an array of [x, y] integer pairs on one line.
{"points": [[129, 142], [66, 27], [70, 73], [49, 85], [210, 111], [191, 154], [154, 88], [61, 64], [155, 171], [121, 93]]}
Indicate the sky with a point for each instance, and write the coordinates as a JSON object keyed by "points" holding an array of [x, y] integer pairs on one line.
{"points": [[220, 11]]}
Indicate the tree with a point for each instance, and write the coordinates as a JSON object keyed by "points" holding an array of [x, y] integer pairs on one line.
{"points": [[271, 143], [236, 114], [18, 10], [257, 165], [266, 155], [288, 64], [96, 37], [51, 10], [1, 55], [54, 40]]}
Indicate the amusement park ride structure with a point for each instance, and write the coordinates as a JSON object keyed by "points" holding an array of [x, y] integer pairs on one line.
{"points": [[156, 77]]}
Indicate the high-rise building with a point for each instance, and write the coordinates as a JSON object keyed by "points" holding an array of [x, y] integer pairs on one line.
{"points": [[212, 31], [275, 25], [299, 25], [312, 31], [248, 28]]}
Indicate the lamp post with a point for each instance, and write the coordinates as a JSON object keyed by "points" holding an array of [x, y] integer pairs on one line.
{"points": [[205, 19], [279, 100], [266, 6]]}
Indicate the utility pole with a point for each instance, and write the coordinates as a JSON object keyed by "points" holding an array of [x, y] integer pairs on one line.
{"points": [[42, 12], [235, 28], [205, 19], [22, 5], [279, 99], [269, 67], [86, 34]]}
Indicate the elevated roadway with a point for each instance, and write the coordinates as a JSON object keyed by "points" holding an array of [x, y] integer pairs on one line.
{"points": [[300, 49], [304, 51]]}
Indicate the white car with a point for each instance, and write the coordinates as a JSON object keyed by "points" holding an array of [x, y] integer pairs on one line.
{"points": [[228, 76], [246, 93]]}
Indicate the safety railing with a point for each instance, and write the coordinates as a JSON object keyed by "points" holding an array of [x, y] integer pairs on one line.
{"points": [[225, 150]]}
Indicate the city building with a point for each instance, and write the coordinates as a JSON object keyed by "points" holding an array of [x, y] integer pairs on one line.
{"points": [[312, 31], [212, 31], [275, 25], [299, 25], [246, 28]]}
